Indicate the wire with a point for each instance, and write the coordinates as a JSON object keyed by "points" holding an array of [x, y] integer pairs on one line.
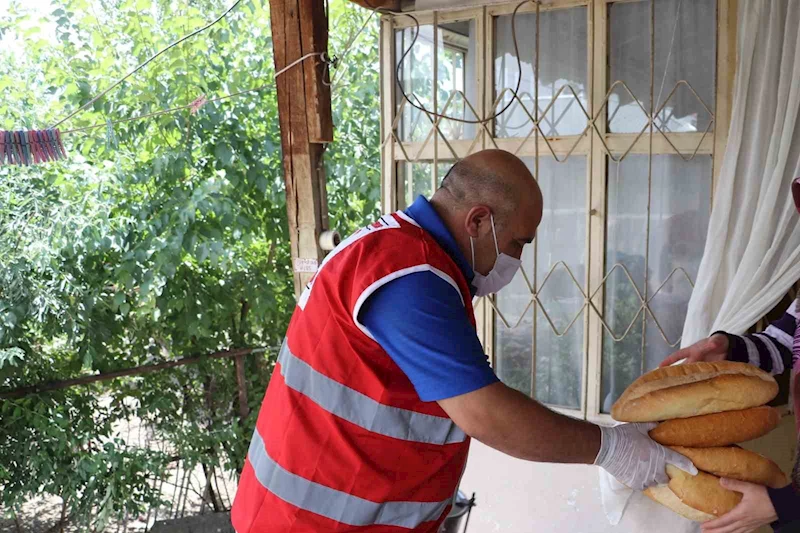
{"points": [[399, 70], [188, 106], [140, 67], [349, 46], [163, 111], [324, 58]]}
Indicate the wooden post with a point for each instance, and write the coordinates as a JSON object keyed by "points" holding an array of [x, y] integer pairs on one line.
{"points": [[300, 27]]}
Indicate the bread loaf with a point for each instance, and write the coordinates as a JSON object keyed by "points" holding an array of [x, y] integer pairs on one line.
{"points": [[702, 492], [718, 429], [736, 463], [663, 494], [694, 389]]}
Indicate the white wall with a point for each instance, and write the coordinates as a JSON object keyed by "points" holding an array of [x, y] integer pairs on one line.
{"points": [[516, 496]]}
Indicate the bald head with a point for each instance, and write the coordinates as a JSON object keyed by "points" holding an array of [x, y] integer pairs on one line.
{"points": [[491, 204], [494, 178]]}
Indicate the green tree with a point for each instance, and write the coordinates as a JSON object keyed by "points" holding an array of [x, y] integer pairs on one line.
{"points": [[156, 239]]}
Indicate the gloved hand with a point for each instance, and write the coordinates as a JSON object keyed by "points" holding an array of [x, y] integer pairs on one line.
{"points": [[629, 454]]}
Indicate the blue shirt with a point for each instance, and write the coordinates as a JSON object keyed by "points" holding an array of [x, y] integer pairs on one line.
{"points": [[421, 323]]}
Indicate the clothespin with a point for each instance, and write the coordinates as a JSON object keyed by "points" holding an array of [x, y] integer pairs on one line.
{"points": [[60, 144], [31, 147], [51, 137], [43, 157], [38, 155], [26, 156], [197, 104], [19, 149], [48, 148], [24, 148], [33, 157], [34, 150], [45, 144], [10, 150]]}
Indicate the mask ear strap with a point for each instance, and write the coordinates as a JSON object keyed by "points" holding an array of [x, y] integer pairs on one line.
{"points": [[472, 247], [494, 234]]}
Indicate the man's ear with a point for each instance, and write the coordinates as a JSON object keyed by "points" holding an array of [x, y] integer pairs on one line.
{"points": [[478, 222]]}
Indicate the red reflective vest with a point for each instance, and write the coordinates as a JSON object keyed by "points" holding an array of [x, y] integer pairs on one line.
{"points": [[343, 442]]}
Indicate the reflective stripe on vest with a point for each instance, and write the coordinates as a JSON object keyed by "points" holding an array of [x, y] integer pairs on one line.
{"points": [[334, 504], [363, 411]]}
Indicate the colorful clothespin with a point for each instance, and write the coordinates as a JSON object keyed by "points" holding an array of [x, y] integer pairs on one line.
{"points": [[60, 144], [31, 147], [20, 150], [11, 149], [29, 151], [199, 102], [48, 148], [38, 156], [8, 148], [55, 137], [39, 142]]}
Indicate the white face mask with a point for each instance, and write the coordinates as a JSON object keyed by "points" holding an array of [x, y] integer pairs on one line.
{"points": [[503, 271]]}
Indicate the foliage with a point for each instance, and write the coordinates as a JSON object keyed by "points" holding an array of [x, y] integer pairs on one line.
{"points": [[156, 239]]}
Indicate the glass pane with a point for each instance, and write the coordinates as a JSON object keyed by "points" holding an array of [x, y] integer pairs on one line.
{"points": [[561, 255], [514, 337], [442, 170], [416, 178], [685, 49], [457, 93], [562, 73], [670, 251]]}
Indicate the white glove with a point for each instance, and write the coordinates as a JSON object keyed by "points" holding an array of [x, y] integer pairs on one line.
{"points": [[629, 454]]}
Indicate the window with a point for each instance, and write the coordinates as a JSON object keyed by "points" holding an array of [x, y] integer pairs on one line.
{"points": [[621, 126]]}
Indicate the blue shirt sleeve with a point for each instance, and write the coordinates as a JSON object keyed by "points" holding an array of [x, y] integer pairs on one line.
{"points": [[420, 321]]}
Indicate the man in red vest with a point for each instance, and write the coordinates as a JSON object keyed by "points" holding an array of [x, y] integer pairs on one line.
{"points": [[381, 381]]}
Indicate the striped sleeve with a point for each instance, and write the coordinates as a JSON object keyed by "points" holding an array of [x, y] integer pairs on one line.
{"points": [[771, 350]]}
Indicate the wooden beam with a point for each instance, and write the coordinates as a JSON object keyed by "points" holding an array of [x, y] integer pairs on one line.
{"points": [[299, 27], [314, 38]]}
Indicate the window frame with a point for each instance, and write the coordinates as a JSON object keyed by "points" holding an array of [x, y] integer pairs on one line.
{"points": [[394, 153]]}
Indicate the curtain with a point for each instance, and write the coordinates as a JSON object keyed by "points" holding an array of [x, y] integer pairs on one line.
{"points": [[752, 255]]}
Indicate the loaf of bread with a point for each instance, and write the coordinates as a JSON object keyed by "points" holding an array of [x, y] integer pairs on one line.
{"points": [[718, 429], [702, 492], [736, 463], [663, 494], [694, 389]]}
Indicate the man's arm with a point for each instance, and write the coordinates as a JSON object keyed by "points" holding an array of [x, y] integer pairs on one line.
{"points": [[512, 423], [420, 321]]}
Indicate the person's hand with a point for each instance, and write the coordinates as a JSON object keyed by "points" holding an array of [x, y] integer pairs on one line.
{"points": [[714, 348], [637, 461], [755, 510]]}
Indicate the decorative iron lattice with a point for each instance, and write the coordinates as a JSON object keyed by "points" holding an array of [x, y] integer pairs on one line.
{"points": [[539, 122]]}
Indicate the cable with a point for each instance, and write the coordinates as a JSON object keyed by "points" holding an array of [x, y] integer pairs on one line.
{"points": [[140, 67], [349, 46], [163, 111], [399, 69], [188, 106]]}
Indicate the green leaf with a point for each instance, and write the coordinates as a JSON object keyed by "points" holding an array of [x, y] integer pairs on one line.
{"points": [[11, 356], [119, 299]]}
